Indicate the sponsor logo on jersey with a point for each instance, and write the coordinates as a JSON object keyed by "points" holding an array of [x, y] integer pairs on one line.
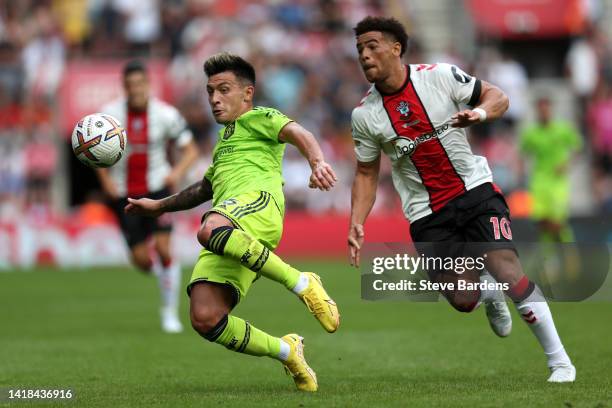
{"points": [[405, 147], [223, 151]]}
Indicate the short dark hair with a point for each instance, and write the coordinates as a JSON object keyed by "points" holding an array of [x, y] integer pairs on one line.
{"points": [[389, 26], [225, 61], [134, 66]]}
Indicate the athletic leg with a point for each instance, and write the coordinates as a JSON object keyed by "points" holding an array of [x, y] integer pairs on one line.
{"points": [[218, 235], [529, 301], [168, 272], [210, 308]]}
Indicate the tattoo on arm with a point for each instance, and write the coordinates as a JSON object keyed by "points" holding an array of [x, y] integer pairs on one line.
{"points": [[192, 196]]}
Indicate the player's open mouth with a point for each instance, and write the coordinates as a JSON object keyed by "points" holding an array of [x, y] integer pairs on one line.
{"points": [[217, 112]]}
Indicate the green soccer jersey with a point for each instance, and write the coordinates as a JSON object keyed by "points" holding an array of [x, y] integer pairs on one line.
{"points": [[248, 156], [550, 146]]}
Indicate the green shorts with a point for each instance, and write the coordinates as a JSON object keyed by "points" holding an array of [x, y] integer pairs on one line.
{"points": [[256, 213], [550, 200]]}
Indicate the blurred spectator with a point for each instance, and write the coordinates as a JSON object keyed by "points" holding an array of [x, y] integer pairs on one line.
{"points": [[43, 55], [600, 121], [142, 23], [583, 66], [94, 211], [40, 163], [306, 66]]}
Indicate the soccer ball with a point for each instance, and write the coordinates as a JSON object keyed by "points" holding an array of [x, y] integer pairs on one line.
{"points": [[99, 140]]}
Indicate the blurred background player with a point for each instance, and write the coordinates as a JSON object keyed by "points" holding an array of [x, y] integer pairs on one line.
{"points": [[413, 114], [145, 172], [550, 143]]}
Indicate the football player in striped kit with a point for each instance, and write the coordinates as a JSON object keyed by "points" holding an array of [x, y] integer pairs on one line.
{"points": [[414, 114], [145, 172]]}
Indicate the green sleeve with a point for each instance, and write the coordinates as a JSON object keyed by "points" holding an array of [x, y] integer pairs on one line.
{"points": [[573, 138], [210, 173], [268, 123], [525, 140]]}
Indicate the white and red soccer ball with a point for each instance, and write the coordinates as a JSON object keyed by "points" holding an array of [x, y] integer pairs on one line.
{"points": [[99, 140]]}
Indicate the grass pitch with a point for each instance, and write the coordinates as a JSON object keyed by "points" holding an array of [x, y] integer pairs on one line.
{"points": [[97, 333]]}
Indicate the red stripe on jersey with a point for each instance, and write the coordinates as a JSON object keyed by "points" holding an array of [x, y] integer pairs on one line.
{"points": [[138, 160], [497, 189], [410, 120]]}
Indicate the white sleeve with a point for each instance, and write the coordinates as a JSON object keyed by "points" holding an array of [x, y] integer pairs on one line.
{"points": [[176, 127], [367, 148], [463, 88]]}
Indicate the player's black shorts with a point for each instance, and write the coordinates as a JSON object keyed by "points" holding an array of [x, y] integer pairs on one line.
{"points": [[475, 222], [137, 228]]}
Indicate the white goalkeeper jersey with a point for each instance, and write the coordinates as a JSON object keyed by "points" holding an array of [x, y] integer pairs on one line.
{"points": [[145, 164], [432, 162]]}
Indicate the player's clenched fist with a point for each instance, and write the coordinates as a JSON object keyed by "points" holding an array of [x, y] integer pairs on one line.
{"points": [[323, 176], [143, 206], [355, 240]]}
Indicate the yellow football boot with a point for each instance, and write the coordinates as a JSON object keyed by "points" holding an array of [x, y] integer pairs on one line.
{"points": [[320, 304], [296, 366]]}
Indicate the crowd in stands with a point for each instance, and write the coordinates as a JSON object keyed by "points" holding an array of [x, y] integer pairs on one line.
{"points": [[305, 58]]}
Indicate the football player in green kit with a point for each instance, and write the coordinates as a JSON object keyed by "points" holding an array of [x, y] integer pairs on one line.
{"points": [[550, 143], [244, 226]]}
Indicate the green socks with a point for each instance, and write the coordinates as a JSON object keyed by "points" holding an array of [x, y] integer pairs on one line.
{"points": [[237, 244], [239, 335]]}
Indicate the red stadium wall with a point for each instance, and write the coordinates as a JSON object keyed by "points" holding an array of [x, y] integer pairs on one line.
{"points": [[75, 242], [325, 235]]}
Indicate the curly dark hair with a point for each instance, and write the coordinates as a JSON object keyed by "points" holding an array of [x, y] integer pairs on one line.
{"points": [[388, 26], [225, 61]]}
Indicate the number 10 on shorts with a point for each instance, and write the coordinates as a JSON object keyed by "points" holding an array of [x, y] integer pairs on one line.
{"points": [[501, 226]]}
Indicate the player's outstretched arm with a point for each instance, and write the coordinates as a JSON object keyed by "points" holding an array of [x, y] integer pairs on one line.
{"points": [[363, 195], [493, 103], [323, 176], [190, 197]]}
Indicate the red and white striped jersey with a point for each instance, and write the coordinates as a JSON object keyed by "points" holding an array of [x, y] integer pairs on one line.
{"points": [[145, 165], [432, 162]]}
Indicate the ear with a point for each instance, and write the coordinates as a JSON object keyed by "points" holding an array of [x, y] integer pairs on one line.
{"points": [[249, 91], [396, 49]]}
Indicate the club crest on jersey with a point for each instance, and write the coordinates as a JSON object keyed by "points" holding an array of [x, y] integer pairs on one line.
{"points": [[229, 130], [403, 108]]}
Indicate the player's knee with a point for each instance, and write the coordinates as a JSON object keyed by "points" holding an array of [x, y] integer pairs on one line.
{"points": [[465, 302], [214, 239], [213, 224], [163, 250], [209, 322], [142, 262], [204, 235], [164, 256], [504, 265]]}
